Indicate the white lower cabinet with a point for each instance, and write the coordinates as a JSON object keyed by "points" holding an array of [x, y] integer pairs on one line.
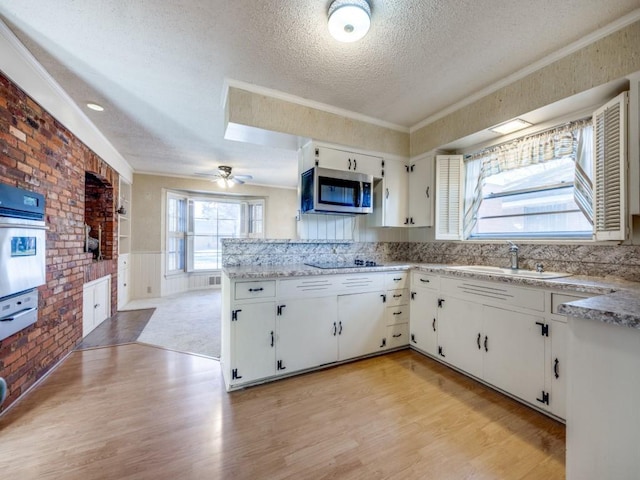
{"points": [[96, 303], [513, 346], [510, 337], [253, 336], [306, 333], [558, 368], [459, 324], [361, 324], [423, 322]]}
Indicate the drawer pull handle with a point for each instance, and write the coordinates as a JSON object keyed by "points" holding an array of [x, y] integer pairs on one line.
{"points": [[486, 343], [397, 313], [433, 324], [397, 296], [424, 280], [479, 337], [397, 335], [413, 338], [556, 368], [272, 339], [340, 329], [256, 289], [397, 279]]}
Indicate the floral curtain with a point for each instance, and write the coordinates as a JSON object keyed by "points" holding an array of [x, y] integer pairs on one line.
{"points": [[565, 140]]}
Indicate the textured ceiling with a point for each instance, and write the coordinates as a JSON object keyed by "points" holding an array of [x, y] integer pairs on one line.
{"points": [[159, 66]]}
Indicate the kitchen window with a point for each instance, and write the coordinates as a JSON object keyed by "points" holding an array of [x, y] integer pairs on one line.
{"points": [[567, 182], [209, 220]]}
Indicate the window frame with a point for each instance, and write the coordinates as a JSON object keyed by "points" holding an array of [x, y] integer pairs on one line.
{"points": [[614, 193], [189, 236]]}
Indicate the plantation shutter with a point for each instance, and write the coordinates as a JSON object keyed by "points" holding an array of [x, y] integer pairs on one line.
{"points": [[609, 155], [449, 195]]}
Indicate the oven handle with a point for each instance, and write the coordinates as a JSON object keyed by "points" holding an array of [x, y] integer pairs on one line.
{"points": [[30, 226], [21, 313]]}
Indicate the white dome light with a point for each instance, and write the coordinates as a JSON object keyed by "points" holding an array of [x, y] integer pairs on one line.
{"points": [[349, 20]]}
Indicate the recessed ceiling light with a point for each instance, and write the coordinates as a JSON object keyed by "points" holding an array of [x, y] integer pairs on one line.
{"points": [[510, 126], [95, 106], [349, 20]]}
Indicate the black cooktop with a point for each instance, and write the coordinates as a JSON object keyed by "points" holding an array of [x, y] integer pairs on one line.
{"points": [[355, 264]]}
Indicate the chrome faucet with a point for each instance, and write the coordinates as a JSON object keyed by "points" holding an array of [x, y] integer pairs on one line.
{"points": [[513, 252]]}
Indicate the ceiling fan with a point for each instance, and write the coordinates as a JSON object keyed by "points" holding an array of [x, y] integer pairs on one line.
{"points": [[224, 178]]}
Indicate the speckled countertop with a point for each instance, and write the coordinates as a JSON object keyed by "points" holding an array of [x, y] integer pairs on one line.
{"points": [[615, 301]]}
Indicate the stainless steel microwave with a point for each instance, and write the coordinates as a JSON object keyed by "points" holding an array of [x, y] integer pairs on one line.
{"points": [[323, 190]]}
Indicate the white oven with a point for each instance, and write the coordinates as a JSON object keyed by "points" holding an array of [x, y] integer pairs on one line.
{"points": [[22, 240]]}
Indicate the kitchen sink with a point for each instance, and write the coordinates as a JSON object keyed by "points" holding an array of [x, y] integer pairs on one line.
{"points": [[508, 272]]}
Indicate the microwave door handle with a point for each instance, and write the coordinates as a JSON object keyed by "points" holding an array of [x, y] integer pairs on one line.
{"points": [[360, 195]]}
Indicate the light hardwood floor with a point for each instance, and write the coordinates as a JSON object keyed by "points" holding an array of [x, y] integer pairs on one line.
{"points": [[140, 412]]}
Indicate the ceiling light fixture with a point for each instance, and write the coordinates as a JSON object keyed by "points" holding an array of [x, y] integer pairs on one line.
{"points": [[224, 183], [510, 126], [95, 106], [349, 20]]}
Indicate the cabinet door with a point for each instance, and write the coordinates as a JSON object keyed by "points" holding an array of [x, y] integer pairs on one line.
{"points": [[123, 287], [361, 326], [306, 333], [459, 325], [335, 159], [424, 324], [513, 347], [87, 310], [253, 339], [102, 301], [558, 395], [421, 193], [394, 200], [351, 161]]}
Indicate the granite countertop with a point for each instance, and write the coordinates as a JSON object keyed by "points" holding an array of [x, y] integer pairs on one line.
{"points": [[615, 301], [301, 270]]}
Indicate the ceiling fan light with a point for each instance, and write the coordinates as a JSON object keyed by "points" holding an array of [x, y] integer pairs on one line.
{"points": [[349, 20], [222, 182]]}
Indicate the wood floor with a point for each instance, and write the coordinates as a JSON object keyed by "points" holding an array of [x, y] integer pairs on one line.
{"points": [[139, 412]]}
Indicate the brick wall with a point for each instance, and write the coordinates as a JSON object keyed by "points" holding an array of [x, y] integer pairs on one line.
{"points": [[37, 153]]}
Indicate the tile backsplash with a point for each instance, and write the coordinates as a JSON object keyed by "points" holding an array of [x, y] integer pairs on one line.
{"points": [[621, 261]]}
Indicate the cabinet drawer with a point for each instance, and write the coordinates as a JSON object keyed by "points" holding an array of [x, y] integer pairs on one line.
{"points": [[258, 289], [360, 282], [317, 285], [558, 299], [396, 315], [396, 280], [425, 280], [397, 297], [494, 293], [398, 335]]}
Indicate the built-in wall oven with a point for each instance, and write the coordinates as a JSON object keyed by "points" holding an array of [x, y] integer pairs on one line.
{"points": [[22, 257]]}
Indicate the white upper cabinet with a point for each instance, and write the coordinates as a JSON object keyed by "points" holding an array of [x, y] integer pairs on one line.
{"points": [[421, 192], [390, 197], [334, 158]]}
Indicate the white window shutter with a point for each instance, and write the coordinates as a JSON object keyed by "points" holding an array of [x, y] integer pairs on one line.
{"points": [[449, 197], [610, 168]]}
